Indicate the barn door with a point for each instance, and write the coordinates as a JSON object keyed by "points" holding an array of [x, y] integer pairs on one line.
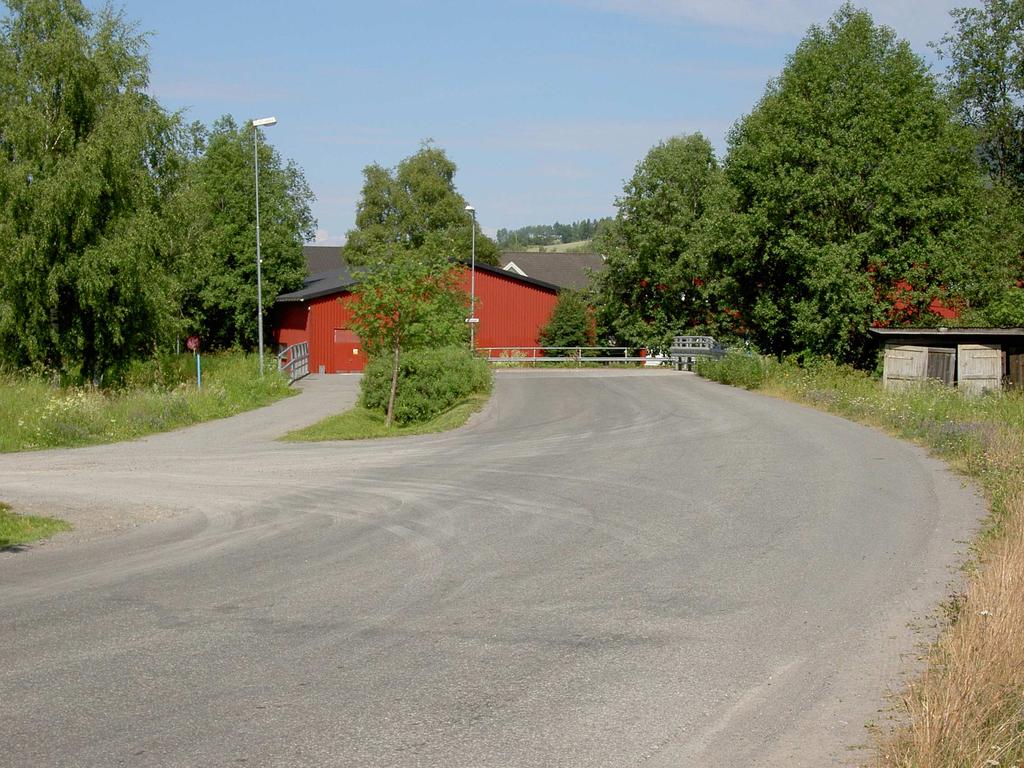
{"points": [[979, 368], [904, 365], [347, 351]]}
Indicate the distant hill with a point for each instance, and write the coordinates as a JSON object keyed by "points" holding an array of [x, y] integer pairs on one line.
{"points": [[579, 246], [555, 236]]}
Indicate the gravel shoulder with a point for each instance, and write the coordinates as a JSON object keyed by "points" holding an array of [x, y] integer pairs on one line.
{"points": [[115, 487]]}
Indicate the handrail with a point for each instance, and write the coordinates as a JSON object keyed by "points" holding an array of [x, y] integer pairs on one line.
{"points": [[577, 355], [295, 360]]}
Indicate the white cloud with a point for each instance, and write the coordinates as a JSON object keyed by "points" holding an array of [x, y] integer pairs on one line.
{"points": [[323, 237], [920, 21], [599, 137]]}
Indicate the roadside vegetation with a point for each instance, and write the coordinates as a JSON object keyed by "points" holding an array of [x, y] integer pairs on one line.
{"points": [[16, 530], [157, 395], [967, 707], [436, 390]]}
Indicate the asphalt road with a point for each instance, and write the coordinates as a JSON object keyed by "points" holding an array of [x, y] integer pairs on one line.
{"points": [[601, 569]]}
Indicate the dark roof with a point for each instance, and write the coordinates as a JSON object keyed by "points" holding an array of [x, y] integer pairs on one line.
{"points": [[517, 277], [566, 270], [322, 258], [323, 284], [343, 277], [950, 335]]}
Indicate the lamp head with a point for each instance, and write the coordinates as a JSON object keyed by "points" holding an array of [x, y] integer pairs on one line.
{"points": [[470, 209], [264, 121]]}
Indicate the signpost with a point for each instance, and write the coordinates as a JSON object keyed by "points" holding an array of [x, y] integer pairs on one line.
{"points": [[193, 344]]}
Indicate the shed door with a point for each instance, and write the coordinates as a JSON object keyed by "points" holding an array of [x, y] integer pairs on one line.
{"points": [[1016, 372], [904, 365], [347, 352], [979, 368], [942, 364]]}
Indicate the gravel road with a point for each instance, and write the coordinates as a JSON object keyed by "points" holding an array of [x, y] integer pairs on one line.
{"points": [[602, 569]]}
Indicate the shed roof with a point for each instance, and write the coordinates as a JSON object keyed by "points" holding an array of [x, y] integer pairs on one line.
{"points": [[566, 270], [951, 335]]}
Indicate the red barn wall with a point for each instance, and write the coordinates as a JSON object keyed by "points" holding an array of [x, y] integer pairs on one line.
{"points": [[319, 321], [511, 314]]}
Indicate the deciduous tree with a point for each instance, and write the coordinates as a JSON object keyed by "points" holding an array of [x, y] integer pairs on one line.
{"points": [[985, 51], [852, 198], [412, 207], [88, 160], [407, 299], [214, 232], [653, 284], [985, 80], [571, 323]]}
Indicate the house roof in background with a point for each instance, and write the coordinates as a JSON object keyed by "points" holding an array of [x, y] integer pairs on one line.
{"points": [[517, 277], [322, 258], [565, 270], [340, 277], [334, 280]]}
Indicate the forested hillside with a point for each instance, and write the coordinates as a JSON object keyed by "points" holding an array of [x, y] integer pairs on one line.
{"points": [[549, 234]]}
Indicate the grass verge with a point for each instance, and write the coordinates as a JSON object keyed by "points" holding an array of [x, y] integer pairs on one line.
{"points": [[159, 396], [359, 423], [966, 709], [16, 529]]}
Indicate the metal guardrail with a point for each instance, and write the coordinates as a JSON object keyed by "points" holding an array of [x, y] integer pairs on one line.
{"points": [[294, 360], [696, 345], [578, 355]]}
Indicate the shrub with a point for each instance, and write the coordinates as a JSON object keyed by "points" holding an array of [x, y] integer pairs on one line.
{"points": [[571, 323], [430, 381], [740, 369]]}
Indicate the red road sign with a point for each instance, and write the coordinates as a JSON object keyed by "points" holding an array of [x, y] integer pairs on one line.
{"points": [[192, 343]]}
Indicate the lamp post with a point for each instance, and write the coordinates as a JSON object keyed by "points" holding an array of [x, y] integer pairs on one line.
{"points": [[472, 282], [256, 125]]}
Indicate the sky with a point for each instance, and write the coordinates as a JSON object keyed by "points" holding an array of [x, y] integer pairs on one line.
{"points": [[545, 106]]}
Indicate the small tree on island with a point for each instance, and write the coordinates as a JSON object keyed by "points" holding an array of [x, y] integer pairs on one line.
{"points": [[571, 323], [408, 299]]}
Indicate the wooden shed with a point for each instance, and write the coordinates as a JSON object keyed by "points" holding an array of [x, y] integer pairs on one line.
{"points": [[973, 359], [512, 309]]}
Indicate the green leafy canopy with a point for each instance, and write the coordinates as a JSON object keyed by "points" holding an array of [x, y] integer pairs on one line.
{"points": [[412, 207]]}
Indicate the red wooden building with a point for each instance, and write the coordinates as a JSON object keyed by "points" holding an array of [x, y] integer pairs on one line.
{"points": [[512, 310]]}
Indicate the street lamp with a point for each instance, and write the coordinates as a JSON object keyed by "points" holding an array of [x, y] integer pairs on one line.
{"points": [[472, 282], [256, 125]]}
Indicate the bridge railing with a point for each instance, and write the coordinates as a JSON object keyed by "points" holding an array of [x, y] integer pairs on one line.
{"points": [[294, 360], [578, 355]]}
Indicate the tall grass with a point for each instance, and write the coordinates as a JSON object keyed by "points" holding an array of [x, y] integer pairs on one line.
{"points": [[966, 710], [158, 395]]}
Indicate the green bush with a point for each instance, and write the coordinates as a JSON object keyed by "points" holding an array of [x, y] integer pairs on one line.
{"points": [[430, 381], [739, 369], [571, 323]]}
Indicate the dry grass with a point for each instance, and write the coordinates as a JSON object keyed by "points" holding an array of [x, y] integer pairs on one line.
{"points": [[967, 708]]}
